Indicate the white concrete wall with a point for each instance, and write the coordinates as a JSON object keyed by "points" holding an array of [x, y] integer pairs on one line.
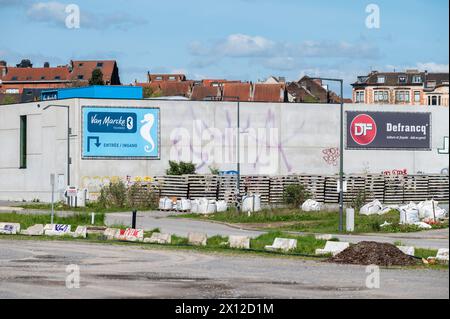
{"points": [[306, 134]]}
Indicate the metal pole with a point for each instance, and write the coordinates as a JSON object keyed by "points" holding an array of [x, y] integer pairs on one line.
{"points": [[53, 198], [238, 157], [133, 220], [68, 146], [341, 162]]}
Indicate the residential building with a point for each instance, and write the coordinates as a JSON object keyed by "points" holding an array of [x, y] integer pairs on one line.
{"points": [[23, 77], [411, 87]]}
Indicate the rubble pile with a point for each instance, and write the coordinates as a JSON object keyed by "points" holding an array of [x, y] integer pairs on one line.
{"points": [[373, 253]]}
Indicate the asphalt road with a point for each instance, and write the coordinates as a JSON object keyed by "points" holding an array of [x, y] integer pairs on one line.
{"points": [[434, 239], [37, 269]]}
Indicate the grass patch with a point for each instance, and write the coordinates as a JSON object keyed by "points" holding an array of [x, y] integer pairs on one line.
{"points": [[313, 222], [89, 208], [305, 244], [425, 253], [75, 220]]}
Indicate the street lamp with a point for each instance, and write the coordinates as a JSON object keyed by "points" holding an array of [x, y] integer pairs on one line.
{"points": [[68, 135], [238, 164], [341, 150]]}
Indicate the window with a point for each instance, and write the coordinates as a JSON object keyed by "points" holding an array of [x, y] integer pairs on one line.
{"points": [[14, 78], [381, 79], [359, 96], [402, 79], [80, 64], [80, 77], [434, 100], [172, 78], [23, 141], [42, 77], [381, 96], [99, 64], [57, 77], [431, 84], [158, 78], [402, 96], [416, 96], [417, 79]]}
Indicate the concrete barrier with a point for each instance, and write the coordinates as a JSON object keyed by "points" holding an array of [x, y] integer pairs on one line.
{"points": [[333, 247], [283, 244], [159, 238], [56, 229], [9, 228], [408, 250], [239, 242], [197, 239], [35, 230]]}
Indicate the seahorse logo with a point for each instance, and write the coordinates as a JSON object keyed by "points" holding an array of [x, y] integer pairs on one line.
{"points": [[149, 120]]}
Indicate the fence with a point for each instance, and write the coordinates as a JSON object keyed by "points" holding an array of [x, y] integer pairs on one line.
{"points": [[387, 189]]}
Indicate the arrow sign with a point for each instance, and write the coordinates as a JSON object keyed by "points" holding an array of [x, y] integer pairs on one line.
{"points": [[97, 142]]}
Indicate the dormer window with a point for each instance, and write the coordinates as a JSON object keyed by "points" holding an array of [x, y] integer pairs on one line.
{"points": [[14, 78], [172, 78], [417, 79], [158, 78], [80, 64], [381, 79], [57, 77], [99, 64], [42, 77], [80, 77], [402, 79]]}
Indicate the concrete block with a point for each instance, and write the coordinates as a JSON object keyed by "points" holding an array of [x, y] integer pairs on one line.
{"points": [[56, 229], [324, 237], [110, 233], [408, 250], [197, 239], [442, 255], [81, 231], [9, 228], [130, 234], [35, 230], [283, 244], [159, 238], [239, 242], [333, 247]]}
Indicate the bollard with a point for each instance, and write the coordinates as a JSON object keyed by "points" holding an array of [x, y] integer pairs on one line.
{"points": [[350, 219], [133, 220], [92, 218]]}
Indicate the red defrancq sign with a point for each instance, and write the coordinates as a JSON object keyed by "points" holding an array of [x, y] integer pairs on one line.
{"points": [[388, 130]]}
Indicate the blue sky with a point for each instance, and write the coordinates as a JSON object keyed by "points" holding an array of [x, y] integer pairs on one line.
{"points": [[234, 39]]}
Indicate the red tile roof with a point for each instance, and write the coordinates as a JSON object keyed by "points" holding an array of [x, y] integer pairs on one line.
{"points": [[215, 82], [166, 77], [37, 74], [85, 68], [201, 92], [268, 93], [241, 90], [169, 88]]}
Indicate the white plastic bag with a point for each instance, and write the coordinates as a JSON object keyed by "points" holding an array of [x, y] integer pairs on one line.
{"points": [[372, 208], [165, 203], [409, 214], [183, 204], [426, 210], [311, 205], [222, 206], [251, 203]]}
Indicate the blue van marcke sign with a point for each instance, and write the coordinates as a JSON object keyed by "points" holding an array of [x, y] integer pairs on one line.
{"points": [[120, 132], [108, 122]]}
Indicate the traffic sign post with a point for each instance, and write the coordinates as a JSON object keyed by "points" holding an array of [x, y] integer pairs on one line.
{"points": [[52, 182]]}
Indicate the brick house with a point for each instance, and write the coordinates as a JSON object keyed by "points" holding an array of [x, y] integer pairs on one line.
{"points": [[408, 88]]}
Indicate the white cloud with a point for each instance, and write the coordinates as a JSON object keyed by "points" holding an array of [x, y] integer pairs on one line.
{"points": [[53, 13], [242, 45], [433, 67]]}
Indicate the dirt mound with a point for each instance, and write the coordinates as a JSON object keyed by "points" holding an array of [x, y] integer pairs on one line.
{"points": [[373, 253]]}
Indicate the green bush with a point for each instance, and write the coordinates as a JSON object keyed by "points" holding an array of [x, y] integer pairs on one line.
{"points": [[180, 168], [359, 200], [113, 195], [295, 195]]}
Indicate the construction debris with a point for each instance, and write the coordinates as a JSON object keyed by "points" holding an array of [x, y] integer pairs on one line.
{"points": [[373, 253]]}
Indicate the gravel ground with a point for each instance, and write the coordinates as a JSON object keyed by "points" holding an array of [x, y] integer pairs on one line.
{"points": [[37, 269]]}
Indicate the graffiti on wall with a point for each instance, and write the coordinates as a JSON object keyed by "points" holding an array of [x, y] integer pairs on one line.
{"points": [[331, 155], [95, 183], [395, 172]]}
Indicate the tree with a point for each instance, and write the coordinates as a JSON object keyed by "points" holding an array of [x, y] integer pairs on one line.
{"points": [[148, 92], [96, 78], [180, 168], [9, 99]]}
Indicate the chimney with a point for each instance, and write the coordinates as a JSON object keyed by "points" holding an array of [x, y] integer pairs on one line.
{"points": [[2, 63], [46, 65]]}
